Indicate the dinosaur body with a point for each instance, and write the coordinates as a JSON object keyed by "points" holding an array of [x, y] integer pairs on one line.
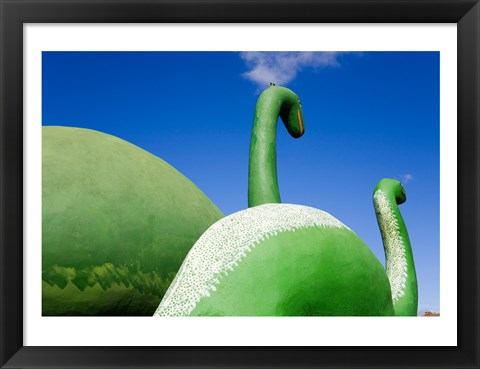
{"points": [[279, 259], [117, 224]]}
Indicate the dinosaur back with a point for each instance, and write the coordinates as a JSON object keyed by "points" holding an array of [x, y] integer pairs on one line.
{"points": [[117, 224], [279, 259]]}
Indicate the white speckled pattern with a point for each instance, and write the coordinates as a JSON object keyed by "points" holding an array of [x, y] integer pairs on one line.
{"points": [[394, 248], [225, 243]]}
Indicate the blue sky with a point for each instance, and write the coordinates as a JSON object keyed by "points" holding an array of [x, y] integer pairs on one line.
{"points": [[367, 116]]}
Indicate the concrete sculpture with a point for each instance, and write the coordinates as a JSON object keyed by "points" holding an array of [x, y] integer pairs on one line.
{"points": [[276, 259]]}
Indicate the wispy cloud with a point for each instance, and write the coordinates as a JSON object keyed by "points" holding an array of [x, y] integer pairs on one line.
{"points": [[406, 178], [282, 67]]}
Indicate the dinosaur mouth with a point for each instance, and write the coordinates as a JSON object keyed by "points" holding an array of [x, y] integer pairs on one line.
{"points": [[300, 122]]}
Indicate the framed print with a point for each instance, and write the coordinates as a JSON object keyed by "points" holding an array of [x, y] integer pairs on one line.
{"points": [[147, 223]]}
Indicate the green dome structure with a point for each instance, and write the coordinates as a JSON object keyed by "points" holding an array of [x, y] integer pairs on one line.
{"points": [[117, 224], [276, 259]]}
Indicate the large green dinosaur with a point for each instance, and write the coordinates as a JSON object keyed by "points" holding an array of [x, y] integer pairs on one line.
{"points": [[282, 259], [117, 224]]}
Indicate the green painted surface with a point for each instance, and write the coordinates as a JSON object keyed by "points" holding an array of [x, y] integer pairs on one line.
{"points": [[274, 102], [117, 224], [312, 271], [407, 303]]}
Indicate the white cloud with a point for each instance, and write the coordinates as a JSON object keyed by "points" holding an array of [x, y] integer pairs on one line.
{"points": [[405, 178], [282, 67]]}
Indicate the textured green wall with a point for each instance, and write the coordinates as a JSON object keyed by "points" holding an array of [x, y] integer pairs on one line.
{"points": [[117, 224]]}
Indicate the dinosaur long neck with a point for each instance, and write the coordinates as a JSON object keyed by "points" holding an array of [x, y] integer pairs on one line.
{"points": [[262, 176], [400, 267]]}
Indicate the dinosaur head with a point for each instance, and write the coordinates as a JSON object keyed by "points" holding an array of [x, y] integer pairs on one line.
{"points": [[393, 188], [292, 117]]}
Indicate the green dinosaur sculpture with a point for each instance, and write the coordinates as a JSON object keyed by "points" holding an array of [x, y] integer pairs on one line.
{"points": [[277, 259], [117, 224]]}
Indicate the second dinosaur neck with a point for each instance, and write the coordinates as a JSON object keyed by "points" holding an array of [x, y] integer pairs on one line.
{"points": [[400, 267]]}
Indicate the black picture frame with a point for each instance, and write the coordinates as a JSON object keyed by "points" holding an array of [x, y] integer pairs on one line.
{"points": [[15, 13]]}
